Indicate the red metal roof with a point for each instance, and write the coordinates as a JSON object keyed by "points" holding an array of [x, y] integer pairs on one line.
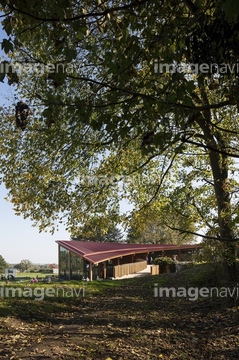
{"points": [[97, 252]]}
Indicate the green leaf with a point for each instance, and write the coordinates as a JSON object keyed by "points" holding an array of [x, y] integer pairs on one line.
{"points": [[231, 8], [81, 33], [7, 46], [47, 112], [2, 76], [7, 26], [71, 54]]}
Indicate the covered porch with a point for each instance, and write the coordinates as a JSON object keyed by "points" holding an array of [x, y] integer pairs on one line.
{"points": [[94, 260]]}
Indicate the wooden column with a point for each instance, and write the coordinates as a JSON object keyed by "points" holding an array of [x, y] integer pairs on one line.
{"points": [[91, 275], [105, 272], [179, 255], [69, 264], [59, 261]]}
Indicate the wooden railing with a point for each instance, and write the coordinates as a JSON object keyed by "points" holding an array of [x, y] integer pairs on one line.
{"points": [[132, 268], [154, 269]]}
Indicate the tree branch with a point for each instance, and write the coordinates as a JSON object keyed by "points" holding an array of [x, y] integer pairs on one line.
{"points": [[207, 147], [203, 107], [82, 16], [160, 184], [182, 231]]}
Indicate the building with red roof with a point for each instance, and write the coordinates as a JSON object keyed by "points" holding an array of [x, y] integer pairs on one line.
{"points": [[86, 259]]}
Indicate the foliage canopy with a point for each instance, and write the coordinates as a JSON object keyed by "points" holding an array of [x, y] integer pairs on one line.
{"points": [[108, 122]]}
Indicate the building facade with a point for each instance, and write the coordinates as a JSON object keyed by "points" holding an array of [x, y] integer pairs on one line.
{"points": [[91, 260]]}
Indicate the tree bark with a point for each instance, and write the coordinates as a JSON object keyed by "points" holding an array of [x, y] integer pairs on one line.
{"points": [[219, 165]]}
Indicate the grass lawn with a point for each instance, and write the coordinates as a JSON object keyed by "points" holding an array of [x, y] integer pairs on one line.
{"points": [[122, 320], [33, 275], [25, 277]]}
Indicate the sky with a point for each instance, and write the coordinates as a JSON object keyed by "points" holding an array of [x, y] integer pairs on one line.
{"points": [[19, 240]]}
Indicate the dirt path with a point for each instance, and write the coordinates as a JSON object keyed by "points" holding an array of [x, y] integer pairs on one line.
{"points": [[125, 323]]}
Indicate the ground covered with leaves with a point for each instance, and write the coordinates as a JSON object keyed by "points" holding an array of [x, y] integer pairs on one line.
{"points": [[122, 320]]}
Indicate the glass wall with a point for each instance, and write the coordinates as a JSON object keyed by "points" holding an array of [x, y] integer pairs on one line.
{"points": [[64, 269], [98, 270], [76, 267], [71, 266], [109, 268]]}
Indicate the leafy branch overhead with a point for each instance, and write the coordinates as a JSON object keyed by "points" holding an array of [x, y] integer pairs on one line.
{"points": [[109, 124]]}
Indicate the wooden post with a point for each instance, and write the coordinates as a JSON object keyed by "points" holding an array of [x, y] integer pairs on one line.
{"points": [[59, 261], [105, 272], [69, 264], [91, 275], [179, 255]]}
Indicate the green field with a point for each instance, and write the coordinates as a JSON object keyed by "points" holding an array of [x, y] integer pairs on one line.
{"points": [[27, 276], [34, 275]]}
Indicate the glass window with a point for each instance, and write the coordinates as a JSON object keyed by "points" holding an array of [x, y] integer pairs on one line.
{"points": [[64, 271], [76, 266]]}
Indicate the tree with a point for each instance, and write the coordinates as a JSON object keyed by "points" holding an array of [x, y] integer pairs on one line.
{"points": [[93, 231], [130, 100], [24, 265], [153, 232], [3, 264], [114, 234]]}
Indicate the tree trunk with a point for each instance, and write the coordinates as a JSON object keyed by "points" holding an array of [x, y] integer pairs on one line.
{"points": [[229, 263], [219, 166]]}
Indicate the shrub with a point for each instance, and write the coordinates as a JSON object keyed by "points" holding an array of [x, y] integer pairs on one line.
{"points": [[165, 264]]}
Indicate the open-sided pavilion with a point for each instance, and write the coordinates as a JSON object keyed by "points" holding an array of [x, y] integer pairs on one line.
{"points": [[85, 259]]}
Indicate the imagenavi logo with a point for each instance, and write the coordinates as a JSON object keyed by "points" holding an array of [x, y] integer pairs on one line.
{"points": [[193, 293], [39, 293]]}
